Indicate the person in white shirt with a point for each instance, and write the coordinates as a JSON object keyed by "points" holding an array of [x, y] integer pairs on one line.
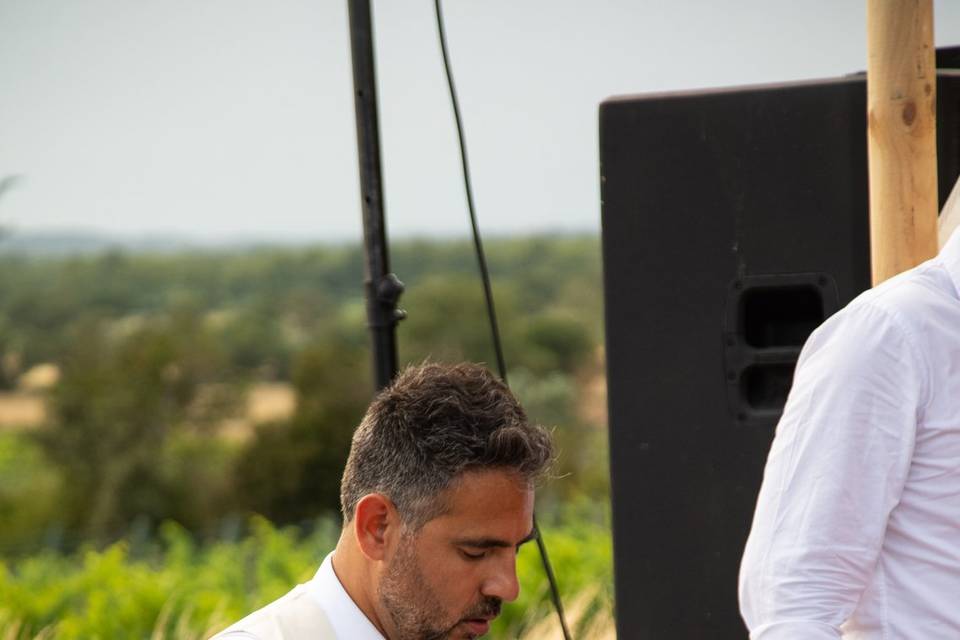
{"points": [[437, 496], [857, 528]]}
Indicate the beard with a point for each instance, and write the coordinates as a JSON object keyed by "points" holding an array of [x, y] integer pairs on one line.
{"points": [[414, 607]]}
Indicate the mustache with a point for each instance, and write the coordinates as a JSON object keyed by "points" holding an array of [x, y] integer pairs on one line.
{"points": [[489, 607]]}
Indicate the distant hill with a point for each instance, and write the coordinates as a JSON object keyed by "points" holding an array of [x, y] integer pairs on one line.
{"points": [[79, 242], [55, 243]]}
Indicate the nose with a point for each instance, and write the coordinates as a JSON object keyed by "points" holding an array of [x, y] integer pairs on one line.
{"points": [[502, 582]]}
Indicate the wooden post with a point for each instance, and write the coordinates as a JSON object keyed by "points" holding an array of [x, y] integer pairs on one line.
{"points": [[901, 134]]}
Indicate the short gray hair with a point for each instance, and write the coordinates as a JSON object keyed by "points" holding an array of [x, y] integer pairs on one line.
{"points": [[434, 422]]}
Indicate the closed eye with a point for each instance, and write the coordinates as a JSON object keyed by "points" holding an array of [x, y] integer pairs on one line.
{"points": [[473, 556]]}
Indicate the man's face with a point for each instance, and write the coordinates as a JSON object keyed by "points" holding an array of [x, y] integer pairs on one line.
{"points": [[448, 579]]}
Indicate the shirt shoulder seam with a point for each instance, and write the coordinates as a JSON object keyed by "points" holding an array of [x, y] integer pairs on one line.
{"points": [[897, 319]]}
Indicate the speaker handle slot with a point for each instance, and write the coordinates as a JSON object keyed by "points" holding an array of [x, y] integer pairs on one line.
{"points": [[767, 320]]}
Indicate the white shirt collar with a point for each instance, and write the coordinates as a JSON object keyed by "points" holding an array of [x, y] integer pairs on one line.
{"points": [[349, 622]]}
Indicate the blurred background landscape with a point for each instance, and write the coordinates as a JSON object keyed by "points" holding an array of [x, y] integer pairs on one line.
{"points": [[174, 401]]}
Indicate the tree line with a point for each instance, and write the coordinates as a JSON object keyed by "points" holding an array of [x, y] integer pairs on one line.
{"points": [[155, 351]]}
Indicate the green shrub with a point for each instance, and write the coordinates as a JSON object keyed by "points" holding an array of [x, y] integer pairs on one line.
{"points": [[291, 471], [184, 590], [29, 489]]}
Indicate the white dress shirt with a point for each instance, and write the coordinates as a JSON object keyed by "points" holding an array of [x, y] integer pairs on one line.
{"points": [[321, 602], [857, 527]]}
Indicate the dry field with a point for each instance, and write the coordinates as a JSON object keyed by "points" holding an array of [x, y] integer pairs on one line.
{"points": [[25, 409], [21, 410], [266, 402]]}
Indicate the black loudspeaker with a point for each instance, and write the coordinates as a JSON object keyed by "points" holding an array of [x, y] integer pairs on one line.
{"points": [[734, 222]]}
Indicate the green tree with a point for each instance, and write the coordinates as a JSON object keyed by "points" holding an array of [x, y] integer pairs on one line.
{"points": [[448, 321], [118, 400], [291, 471], [553, 343]]}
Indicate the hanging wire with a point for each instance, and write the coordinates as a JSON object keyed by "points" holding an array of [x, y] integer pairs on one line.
{"points": [[477, 243], [488, 294]]}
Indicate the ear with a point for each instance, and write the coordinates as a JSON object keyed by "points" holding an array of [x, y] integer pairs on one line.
{"points": [[375, 521]]}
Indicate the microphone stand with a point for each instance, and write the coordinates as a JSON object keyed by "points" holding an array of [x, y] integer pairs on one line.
{"points": [[383, 289]]}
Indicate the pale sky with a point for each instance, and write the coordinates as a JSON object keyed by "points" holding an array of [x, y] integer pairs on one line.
{"points": [[234, 118]]}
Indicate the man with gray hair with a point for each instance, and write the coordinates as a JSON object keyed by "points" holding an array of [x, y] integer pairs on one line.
{"points": [[437, 496]]}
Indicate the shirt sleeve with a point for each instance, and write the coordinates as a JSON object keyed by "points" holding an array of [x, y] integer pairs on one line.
{"points": [[836, 469]]}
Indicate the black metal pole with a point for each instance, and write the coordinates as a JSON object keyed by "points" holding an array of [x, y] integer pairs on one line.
{"points": [[383, 289]]}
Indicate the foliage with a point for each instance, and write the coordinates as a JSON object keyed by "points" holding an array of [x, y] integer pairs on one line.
{"points": [[292, 471], [581, 469], [28, 492], [271, 300], [118, 402], [179, 589], [156, 350]]}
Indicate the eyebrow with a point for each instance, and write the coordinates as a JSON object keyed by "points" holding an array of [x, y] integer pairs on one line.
{"points": [[493, 543]]}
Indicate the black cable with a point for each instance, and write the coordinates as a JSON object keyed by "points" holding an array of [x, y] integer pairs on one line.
{"points": [[481, 258], [488, 294], [551, 579]]}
